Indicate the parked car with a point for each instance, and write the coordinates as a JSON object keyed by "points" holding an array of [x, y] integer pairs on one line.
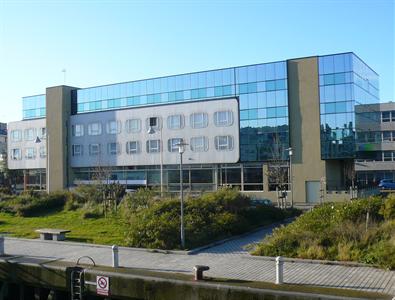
{"points": [[387, 184], [258, 202]]}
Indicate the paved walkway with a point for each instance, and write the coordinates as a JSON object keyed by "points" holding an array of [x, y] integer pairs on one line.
{"points": [[235, 264], [239, 246]]}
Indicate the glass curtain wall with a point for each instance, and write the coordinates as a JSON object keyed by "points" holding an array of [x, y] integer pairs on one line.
{"points": [[345, 81], [262, 90], [33, 107]]}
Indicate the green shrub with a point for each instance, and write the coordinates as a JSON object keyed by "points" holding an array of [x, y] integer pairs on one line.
{"points": [[338, 231], [90, 192], [91, 210], [156, 224], [141, 199], [28, 206], [388, 208]]}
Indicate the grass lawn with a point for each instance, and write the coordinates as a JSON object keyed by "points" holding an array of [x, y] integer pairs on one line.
{"points": [[108, 230]]}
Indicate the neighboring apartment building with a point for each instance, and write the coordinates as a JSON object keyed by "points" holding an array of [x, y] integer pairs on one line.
{"points": [[3, 149], [237, 122], [376, 143]]}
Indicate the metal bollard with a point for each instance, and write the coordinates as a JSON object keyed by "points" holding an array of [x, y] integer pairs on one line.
{"points": [[1, 245], [115, 256], [279, 269]]}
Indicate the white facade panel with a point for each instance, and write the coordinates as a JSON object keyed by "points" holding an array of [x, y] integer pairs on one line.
{"points": [[113, 130], [30, 157]]}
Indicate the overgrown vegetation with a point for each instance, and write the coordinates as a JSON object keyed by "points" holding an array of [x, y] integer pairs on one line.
{"points": [[361, 230], [142, 218], [156, 224]]}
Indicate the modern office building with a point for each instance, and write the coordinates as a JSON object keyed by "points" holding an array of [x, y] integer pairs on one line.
{"points": [[239, 124], [376, 142], [3, 150]]}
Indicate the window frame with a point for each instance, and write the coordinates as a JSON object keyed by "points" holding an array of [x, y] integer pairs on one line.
{"points": [[99, 130], [117, 148], [26, 135], [171, 146], [149, 147], [204, 121], [196, 149], [131, 151], [13, 137], [129, 129], [229, 118], [74, 151], [77, 133], [94, 153], [181, 122], [28, 155], [113, 130], [16, 157], [220, 146]]}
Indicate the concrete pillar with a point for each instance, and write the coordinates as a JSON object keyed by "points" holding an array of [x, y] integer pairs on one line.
{"points": [[115, 256]]}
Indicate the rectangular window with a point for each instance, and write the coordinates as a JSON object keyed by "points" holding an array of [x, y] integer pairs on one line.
{"points": [[199, 144], [154, 123], [43, 152], [42, 133], [387, 136], [30, 134], [223, 118], [133, 147], [199, 120], [94, 149], [393, 116], [153, 146], [224, 143], [94, 129], [77, 130], [385, 116], [175, 122], [387, 155], [113, 127], [133, 125], [77, 150], [113, 148], [16, 154], [173, 144], [16, 135], [30, 153]]}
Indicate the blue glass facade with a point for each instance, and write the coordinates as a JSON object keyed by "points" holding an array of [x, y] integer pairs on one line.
{"points": [[33, 107], [345, 81], [262, 91]]}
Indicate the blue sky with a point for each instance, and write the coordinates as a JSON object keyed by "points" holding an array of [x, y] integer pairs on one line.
{"points": [[101, 42]]}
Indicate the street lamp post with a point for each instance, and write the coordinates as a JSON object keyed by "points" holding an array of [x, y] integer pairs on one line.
{"points": [[181, 150], [151, 130], [290, 153]]}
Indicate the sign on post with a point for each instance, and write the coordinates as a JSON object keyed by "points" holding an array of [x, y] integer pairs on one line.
{"points": [[103, 285]]}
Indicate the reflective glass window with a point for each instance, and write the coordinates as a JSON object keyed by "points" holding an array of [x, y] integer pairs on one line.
{"points": [[113, 127], [94, 149], [94, 129], [199, 120], [153, 146], [30, 153], [133, 125], [223, 143], [223, 118], [77, 130], [113, 148], [133, 147], [175, 122], [16, 154], [173, 144], [199, 144], [77, 150]]}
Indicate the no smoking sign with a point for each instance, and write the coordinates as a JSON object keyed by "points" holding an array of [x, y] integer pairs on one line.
{"points": [[102, 285]]}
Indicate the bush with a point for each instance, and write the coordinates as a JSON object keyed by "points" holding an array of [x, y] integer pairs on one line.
{"points": [[388, 209], [338, 232], [29, 206], [91, 210], [156, 224]]}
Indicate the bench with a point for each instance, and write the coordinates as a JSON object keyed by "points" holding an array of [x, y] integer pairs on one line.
{"points": [[52, 234]]}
